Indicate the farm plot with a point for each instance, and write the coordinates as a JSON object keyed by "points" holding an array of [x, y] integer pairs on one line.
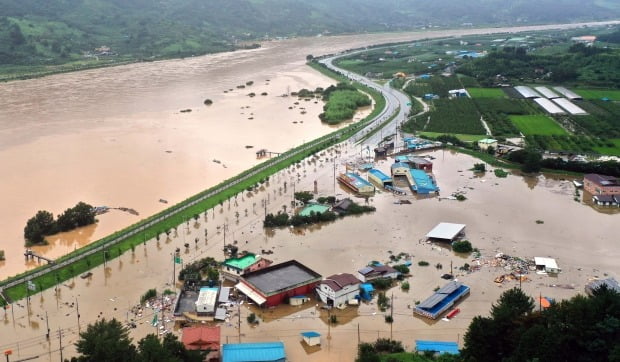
{"points": [[455, 116], [611, 147], [565, 143], [603, 119], [496, 110], [486, 93], [613, 95], [537, 125]]}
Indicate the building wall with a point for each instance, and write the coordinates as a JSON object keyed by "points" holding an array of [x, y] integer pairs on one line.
{"points": [[280, 297], [262, 263], [596, 189], [484, 146], [340, 297]]}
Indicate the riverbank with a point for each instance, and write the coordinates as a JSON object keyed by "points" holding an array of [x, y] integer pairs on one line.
{"points": [[501, 216], [98, 252], [115, 136]]}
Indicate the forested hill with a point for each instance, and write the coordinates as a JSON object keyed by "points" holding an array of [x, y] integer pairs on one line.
{"points": [[36, 32]]}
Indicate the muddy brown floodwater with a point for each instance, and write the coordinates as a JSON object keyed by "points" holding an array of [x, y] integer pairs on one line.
{"points": [[116, 137], [500, 214]]}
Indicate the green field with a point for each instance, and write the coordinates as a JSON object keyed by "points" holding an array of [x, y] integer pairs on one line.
{"points": [[614, 151], [486, 93], [462, 137], [537, 125], [613, 95]]}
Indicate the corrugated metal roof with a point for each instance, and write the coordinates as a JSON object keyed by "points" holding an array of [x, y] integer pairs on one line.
{"points": [[220, 314], [250, 293], [569, 106], [256, 352], [380, 175], [546, 92], [526, 92], [224, 295], [567, 93], [437, 346], [431, 301], [445, 230], [549, 106], [449, 288], [365, 270]]}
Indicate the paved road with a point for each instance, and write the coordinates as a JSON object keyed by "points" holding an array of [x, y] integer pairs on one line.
{"points": [[396, 101]]}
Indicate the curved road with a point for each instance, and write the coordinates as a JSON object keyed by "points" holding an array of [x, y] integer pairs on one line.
{"points": [[393, 100]]}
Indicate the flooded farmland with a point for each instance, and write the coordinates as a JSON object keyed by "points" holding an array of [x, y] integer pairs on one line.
{"points": [[500, 214], [116, 137]]}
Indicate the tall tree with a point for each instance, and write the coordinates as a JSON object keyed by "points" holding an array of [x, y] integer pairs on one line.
{"points": [[106, 341]]}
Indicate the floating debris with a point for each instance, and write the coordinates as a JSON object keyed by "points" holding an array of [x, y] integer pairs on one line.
{"points": [[186, 110]]}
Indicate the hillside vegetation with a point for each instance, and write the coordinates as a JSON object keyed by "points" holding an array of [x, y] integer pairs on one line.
{"points": [[38, 32]]}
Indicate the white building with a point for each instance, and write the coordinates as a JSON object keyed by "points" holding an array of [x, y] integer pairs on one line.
{"points": [[484, 144], [338, 289], [205, 304], [546, 266]]}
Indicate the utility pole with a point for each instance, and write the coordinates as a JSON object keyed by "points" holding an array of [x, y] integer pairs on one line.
{"points": [[391, 315], [334, 177], [329, 323], [77, 309], [47, 323], [224, 249], [239, 320], [60, 342], [358, 334]]}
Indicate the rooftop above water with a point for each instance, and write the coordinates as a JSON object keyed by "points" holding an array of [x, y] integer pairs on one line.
{"points": [[242, 262]]}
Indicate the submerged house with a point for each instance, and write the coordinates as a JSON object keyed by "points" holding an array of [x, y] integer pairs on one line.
{"points": [[338, 289], [277, 283], [373, 272], [233, 268]]}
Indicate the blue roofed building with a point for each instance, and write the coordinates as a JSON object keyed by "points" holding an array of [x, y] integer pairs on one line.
{"points": [[379, 177], [356, 183], [254, 352], [442, 300], [422, 182], [438, 347]]}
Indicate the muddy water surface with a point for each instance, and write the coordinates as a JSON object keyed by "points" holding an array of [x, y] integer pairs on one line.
{"points": [[116, 137], [500, 215]]}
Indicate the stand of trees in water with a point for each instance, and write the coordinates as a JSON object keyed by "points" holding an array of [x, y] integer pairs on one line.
{"points": [[44, 224], [109, 341], [342, 102]]}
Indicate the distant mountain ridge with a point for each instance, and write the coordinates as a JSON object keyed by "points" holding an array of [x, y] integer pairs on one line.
{"points": [[35, 32]]}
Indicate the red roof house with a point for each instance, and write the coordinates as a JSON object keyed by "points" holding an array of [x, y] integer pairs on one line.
{"points": [[203, 338]]}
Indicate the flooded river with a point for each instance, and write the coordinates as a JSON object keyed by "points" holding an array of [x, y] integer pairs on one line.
{"points": [[116, 137]]}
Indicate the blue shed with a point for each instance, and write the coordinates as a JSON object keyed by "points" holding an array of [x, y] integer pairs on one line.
{"points": [[366, 291], [258, 352], [437, 346]]}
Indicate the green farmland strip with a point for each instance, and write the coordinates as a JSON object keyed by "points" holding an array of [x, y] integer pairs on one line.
{"points": [[537, 125], [462, 137], [613, 95], [486, 93]]}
